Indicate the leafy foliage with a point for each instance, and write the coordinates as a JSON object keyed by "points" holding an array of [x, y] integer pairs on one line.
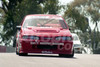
{"points": [[51, 6], [83, 12], [80, 21], [89, 8]]}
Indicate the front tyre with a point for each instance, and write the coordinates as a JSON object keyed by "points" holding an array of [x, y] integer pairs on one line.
{"points": [[20, 54], [61, 55], [67, 55], [23, 54], [70, 55], [17, 53]]}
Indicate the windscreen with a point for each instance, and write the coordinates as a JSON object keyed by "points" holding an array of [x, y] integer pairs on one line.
{"points": [[44, 22]]}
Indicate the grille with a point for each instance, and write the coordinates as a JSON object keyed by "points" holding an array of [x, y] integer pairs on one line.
{"points": [[47, 46]]}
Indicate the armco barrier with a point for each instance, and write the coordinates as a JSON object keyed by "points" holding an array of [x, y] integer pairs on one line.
{"points": [[10, 49]]}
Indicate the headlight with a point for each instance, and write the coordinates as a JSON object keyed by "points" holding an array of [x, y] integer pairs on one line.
{"points": [[34, 37], [30, 37], [64, 38], [25, 37], [58, 38]]}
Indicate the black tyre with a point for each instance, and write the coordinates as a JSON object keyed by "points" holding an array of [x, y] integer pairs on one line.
{"points": [[61, 55], [23, 54], [70, 55], [67, 55], [16, 51]]}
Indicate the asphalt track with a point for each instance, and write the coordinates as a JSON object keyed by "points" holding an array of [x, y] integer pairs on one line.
{"points": [[48, 60]]}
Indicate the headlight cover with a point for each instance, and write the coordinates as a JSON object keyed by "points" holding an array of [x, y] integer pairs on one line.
{"points": [[30, 37], [64, 38], [58, 38], [67, 38], [25, 37]]}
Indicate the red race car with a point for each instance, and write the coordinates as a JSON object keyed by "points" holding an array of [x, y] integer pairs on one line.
{"points": [[46, 34]]}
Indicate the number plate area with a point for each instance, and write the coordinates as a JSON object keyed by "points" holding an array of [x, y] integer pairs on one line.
{"points": [[48, 43], [47, 52]]}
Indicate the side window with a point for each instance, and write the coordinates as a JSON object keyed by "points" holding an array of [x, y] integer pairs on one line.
{"points": [[63, 24]]}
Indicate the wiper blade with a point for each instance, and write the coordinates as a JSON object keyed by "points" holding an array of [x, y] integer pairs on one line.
{"points": [[47, 22]]}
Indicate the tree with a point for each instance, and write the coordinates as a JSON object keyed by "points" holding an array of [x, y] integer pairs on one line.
{"points": [[8, 8], [91, 10], [51, 6], [77, 20]]}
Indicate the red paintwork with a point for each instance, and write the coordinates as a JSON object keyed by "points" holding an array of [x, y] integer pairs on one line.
{"points": [[25, 46]]}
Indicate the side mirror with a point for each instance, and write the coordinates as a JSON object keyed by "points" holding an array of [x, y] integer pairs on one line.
{"points": [[69, 28], [18, 27]]}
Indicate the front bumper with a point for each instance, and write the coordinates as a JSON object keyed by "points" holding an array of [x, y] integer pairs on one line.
{"points": [[32, 46]]}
